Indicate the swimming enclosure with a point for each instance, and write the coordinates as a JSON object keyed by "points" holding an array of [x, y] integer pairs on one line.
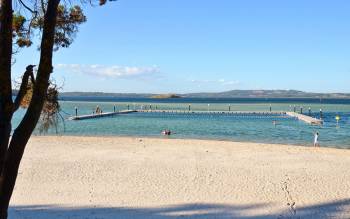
{"points": [[257, 128]]}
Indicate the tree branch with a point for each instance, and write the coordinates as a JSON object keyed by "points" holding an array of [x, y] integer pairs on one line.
{"points": [[43, 6], [26, 7], [24, 86]]}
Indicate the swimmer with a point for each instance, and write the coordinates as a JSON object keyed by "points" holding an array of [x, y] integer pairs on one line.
{"points": [[166, 132]]}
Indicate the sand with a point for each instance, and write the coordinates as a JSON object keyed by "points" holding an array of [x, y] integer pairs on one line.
{"points": [[126, 177]]}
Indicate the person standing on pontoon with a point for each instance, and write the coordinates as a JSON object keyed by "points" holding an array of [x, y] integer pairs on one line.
{"points": [[98, 110]]}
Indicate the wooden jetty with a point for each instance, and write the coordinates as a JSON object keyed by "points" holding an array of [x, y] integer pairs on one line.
{"points": [[99, 115], [215, 112], [305, 118]]}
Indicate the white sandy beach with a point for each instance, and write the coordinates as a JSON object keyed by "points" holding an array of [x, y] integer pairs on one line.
{"points": [[125, 177]]}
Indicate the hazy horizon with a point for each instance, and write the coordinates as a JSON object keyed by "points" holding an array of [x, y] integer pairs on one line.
{"points": [[77, 91], [199, 91]]}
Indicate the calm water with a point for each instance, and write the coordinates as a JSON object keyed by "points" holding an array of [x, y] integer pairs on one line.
{"points": [[207, 126]]}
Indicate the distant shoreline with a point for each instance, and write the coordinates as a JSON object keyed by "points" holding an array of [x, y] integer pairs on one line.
{"points": [[225, 94], [290, 100]]}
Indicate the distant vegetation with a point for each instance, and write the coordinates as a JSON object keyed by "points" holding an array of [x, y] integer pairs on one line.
{"points": [[165, 96], [226, 94]]}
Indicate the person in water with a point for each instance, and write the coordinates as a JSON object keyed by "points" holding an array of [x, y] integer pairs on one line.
{"points": [[316, 143], [166, 132]]}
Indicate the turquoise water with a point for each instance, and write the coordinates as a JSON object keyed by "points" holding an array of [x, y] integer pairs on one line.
{"points": [[209, 126]]}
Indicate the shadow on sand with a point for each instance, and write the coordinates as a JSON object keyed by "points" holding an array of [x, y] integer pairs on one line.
{"points": [[338, 209]]}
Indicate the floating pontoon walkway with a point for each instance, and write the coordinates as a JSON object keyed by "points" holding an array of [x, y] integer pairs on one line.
{"points": [[272, 113], [99, 115], [304, 118]]}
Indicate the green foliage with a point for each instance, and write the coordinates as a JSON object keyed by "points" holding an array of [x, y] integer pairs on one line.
{"points": [[50, 114], [67, 25], [18, 24], [68, 21], [20, 32]]}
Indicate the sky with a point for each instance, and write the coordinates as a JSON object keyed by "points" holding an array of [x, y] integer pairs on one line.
{"points": [[181, 46]]}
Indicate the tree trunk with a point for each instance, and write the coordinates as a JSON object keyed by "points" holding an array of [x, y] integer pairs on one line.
{"points": [[5, 77], [5, 84], [23, 132]]}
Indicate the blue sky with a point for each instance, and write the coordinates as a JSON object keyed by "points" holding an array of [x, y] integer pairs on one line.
{"points": [[183, 46]]}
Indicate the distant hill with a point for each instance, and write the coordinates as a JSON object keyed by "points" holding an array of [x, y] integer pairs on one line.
{"points": [[267, 94], [226, 94]]}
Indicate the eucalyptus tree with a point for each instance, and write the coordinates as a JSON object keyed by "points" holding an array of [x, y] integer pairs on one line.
{"points": [[55, 25]]}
